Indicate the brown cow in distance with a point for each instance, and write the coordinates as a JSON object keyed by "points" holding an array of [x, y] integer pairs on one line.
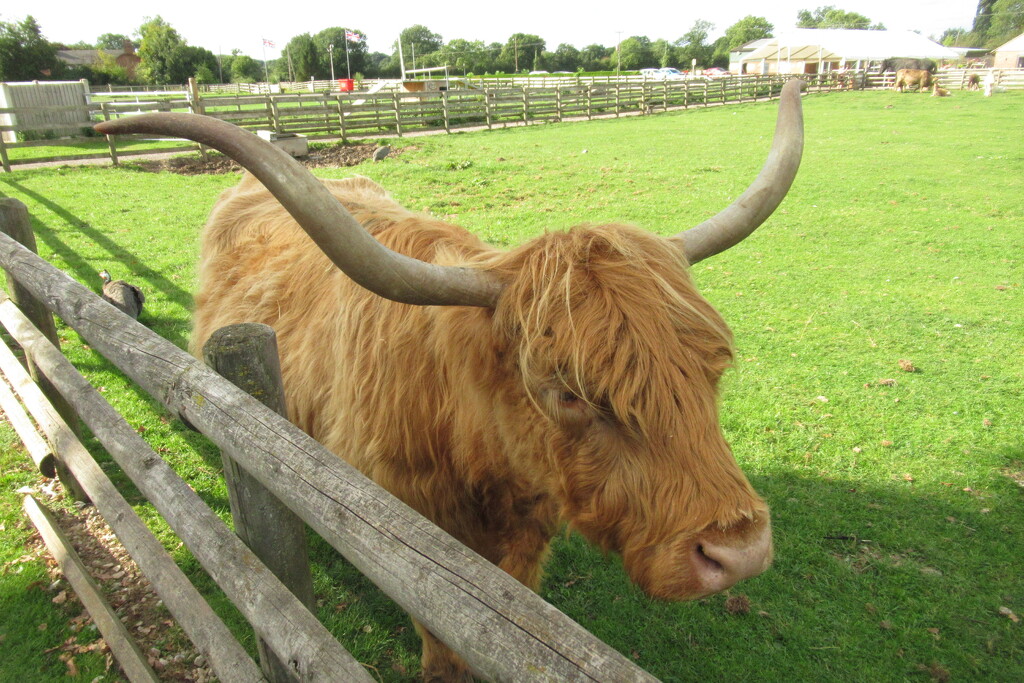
{"points": [[906, 78], [572, 379]]}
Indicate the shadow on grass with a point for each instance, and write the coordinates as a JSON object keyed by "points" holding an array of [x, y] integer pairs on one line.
{"points": [[84, 272], [870, 582]]}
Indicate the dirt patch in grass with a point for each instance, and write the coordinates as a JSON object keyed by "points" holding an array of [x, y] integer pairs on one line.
{"points": [[336, 156], [169, 651]]}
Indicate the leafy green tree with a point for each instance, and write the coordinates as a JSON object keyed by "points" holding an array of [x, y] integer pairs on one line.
{"points": [[1007, 22], [335, 36], [634, 53], [518, 52], [982, 21], [204, 75], [301, 60], [25, 55], [831, 17], [244, 69], [112, 41], [694, 46], [167, 58], [418, 41], [746, 30], [596, 58], [465, 56], [159, 50], [564, 58]]}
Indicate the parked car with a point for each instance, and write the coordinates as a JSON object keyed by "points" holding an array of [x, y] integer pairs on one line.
{"points": [[663, 74], [716, 72]]}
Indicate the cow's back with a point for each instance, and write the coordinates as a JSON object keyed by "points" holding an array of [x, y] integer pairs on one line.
{"points": [[348, 357]]}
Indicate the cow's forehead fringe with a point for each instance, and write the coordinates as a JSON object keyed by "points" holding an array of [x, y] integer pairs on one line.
{"points": [[613, 311]]}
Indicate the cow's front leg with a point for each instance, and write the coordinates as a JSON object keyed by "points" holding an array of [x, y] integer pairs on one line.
{"points": [[523, 558], [440, 664]]}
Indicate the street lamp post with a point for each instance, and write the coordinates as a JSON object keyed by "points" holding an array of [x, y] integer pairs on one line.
{"points": [[330, 51]]}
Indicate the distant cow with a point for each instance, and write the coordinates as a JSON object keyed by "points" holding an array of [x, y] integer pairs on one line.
{"points": [[906, 78], [897, 63], [939, 92]]}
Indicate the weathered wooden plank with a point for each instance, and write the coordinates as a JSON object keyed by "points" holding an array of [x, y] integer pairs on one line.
{"points": [[124, 648], [502, 629], [14, 222], [38, 449], [275, 613], [228, 659]]}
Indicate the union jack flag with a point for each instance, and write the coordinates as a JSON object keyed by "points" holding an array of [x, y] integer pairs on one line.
{"points": [[354, 37], [268, 43]]}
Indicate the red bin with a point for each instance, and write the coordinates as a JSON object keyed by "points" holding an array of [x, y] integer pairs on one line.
{"points": [[346, 84]]}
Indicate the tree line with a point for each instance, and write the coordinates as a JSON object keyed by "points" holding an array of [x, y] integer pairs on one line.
{"points": [[167, 58]]}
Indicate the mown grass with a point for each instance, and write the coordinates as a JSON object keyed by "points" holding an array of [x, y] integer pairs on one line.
{"points": [[896, 505]]}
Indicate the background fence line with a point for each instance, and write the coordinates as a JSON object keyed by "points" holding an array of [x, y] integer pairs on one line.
{"points": [[330, 114]]}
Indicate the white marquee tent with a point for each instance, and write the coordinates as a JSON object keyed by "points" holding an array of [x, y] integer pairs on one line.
{"points": [[811, 50]]}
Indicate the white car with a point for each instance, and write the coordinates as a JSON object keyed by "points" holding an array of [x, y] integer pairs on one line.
{"points": [[663, 74]]}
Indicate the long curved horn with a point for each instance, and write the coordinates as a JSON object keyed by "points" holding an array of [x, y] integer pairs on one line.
{"points": [[340, 236], [743, 216]]}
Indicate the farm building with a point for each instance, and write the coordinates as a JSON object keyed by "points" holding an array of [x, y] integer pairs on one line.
{"points": [[125, 57], [1010, 55], [815, 50]]}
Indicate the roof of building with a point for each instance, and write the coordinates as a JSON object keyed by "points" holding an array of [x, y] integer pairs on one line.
{"points": [[1015, 45], [849, 44], [84, 57]]}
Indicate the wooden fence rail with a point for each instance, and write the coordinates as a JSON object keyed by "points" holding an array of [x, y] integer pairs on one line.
{"points": [[502, 629], [349, 115]]}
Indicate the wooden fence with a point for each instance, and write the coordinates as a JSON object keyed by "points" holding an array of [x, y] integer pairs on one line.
{"points": [[352, 115], [502, 629]]}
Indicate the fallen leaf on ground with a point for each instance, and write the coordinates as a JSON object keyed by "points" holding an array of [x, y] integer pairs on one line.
{"points": [[1008, 613]]}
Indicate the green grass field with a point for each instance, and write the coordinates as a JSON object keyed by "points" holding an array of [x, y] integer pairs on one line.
{"points": [[897, 496]]}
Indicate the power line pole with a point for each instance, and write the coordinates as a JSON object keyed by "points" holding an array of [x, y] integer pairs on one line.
{"points": [[619, 53]]}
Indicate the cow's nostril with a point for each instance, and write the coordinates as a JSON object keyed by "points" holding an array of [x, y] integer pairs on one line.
{"points": [[710, 562]]}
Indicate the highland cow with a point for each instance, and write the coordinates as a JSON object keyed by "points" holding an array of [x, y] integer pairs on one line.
{"points": [[571, 380], [907, 78]]}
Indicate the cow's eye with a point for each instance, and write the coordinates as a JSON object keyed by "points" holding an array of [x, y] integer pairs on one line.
{"points": [[568, 398]]}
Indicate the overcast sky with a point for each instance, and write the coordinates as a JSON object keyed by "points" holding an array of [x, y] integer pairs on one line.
{"points": [[222, 26]]}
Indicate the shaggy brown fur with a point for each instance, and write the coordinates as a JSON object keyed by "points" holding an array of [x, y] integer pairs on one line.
{"points": [[906, 78], [588, 395]]}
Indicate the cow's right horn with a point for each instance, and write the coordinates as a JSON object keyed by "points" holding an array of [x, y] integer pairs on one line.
{"points": [[364, 259]]}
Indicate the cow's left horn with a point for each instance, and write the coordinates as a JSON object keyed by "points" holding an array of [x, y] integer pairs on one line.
{"points": [[340, 236], [743, 216]]}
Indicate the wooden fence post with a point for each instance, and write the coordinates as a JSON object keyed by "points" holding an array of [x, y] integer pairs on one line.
{"points": [[246, 355], [195, 103], [444, 107], [398, 114], [111, 144], [341, 117], [14, 221], [3, 154]]}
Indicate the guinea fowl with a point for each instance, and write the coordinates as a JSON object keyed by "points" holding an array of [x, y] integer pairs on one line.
{"points": [[125, 296]]}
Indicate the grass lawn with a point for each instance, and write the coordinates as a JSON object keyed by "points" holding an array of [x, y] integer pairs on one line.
{"points": [[897, 496]]}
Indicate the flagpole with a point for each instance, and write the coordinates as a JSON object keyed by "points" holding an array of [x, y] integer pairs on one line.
{"points": [[266, 72], [348, 67]]}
